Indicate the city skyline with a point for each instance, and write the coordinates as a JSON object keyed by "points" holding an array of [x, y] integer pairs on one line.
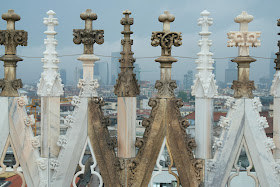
{"points": [[186, 14]]}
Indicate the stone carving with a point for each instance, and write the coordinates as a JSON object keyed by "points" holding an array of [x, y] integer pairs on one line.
{"points": [[275, 91], [166, 38], [243, 88], [88, 87], [211, 165], [263, 123], [224, 122], [42, 163], [35, 141], [11, 38], [62, 141], [166, 41], [69, 120], [76, 101], [29, 120], [88, 36], [277, 60], [164, 121], [218, 144], [243, 39], [257, 105], [54, 164], [269, 144], [231, 103], [165, 88], [22, 101], [275, 87], [126, 84], [276, 166]]}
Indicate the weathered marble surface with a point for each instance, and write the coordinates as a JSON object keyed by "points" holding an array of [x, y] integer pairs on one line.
{"points": [[275, 91], [203, 127], [126, 126], [4, 122], [21, 136], [50, 126], [70, 154], [243, 121], [204, 90]]}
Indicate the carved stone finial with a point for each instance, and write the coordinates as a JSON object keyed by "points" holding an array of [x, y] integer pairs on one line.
{"points": [[88, 16], [166, 39], [166, 18], [126, 85], [50, 22], [244, 18], [277, 60], [205, 83], [88, 36], [205, 22], [50, 83], [11, 17], [11, 38], [243, 39]]}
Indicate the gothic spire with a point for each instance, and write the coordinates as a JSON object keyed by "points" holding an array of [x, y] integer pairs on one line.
{"points": [[126, 85]]}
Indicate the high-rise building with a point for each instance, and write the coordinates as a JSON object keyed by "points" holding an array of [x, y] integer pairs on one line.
{"points": [[230, 73], [63, 76], [188, 80], [137, 71], [78, 75], [214, 70], [101, 72], [115, 67]]}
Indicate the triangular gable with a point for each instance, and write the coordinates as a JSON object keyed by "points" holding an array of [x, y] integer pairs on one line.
{"points": [[50, 86], [203, 88], [242, 122]]}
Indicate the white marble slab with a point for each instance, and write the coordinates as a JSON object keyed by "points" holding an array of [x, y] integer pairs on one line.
{"points": [[21, 136], [126, 126], [69, 155], [4, 123]]}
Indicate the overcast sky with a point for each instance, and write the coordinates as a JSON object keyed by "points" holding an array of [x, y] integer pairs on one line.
{"points": [[145, 14]]}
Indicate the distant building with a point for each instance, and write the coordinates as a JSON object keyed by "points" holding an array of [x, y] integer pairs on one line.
{"points": [[115, 67], [137, 71], [214, 70], [230, 73], [264, 83], [188, 80], [63, 76], [101, 72], [78, 74]]}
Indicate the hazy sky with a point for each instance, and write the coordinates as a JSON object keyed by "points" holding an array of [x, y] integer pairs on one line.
{"points": [[145, 14]]}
